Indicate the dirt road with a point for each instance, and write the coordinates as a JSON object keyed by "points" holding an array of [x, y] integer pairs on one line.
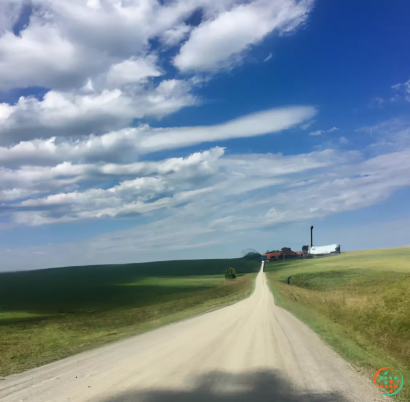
{"points": [[251, 351]]}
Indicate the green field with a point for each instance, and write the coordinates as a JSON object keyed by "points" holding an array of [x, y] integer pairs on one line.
{"points": [[358, 302], [49, 314]]}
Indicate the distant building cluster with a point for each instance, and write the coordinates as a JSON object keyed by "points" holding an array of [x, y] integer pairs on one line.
{"points": [[307, 252]]}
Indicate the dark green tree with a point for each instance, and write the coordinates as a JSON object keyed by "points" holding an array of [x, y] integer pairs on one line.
{"points": [[252, 255], [230, 273]]}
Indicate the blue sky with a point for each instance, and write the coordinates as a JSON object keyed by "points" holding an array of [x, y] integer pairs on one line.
{"points": [[195, 129]]}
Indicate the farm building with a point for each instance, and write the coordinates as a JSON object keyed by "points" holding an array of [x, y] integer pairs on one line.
{"points": [[325, 250], [279, 254]]}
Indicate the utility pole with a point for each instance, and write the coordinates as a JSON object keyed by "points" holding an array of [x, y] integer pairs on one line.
{"points": [[311, 236]]}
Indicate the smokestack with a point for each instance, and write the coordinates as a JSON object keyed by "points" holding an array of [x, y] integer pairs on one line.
{"points": [[311, 236]]}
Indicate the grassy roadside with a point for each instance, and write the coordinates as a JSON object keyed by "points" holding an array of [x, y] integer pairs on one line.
{"points": [[50, 319], [358, 303]]}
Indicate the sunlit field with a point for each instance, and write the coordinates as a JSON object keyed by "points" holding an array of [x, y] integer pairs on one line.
{"points": [[46, 315], [358, 302]]}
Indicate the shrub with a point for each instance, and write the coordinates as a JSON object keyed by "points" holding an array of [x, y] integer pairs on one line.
{"points": [[230, 273]]}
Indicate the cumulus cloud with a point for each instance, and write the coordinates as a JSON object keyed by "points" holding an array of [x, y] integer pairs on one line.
{"points": [[30, 180], [132, 71], [9, 14], [130, 196], [67, 41], [99, 69], [78, 114], [175, 35], [219, 42]]}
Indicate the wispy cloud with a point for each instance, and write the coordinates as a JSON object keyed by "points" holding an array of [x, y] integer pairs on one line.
{"points": [[305, 126], [268, 58], [220, 42], [126, 144], [401, 92], [403, 89], [165, 184], [320, 132]]}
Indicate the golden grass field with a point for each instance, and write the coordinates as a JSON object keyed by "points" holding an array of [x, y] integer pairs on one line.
{"points": [[358, 302]]}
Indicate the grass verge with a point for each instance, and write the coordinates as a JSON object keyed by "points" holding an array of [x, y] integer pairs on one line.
{"points": [[357, 302]]}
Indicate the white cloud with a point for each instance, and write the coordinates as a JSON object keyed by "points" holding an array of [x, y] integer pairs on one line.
{"points": [[317, 132], [320, 132], [354, 187], [270, 121], [130, 196], [175, 35], [401, 92], [377, 102], [205, 177], [219, 42], [272, 165], [78, 114], [307, 125], [30, 180], [43, 57], [124, 145], [67, 41], [97, 61], [132, 71], [331, 130], [389, 136], [403, 89], [9, 13], [268, 58]]}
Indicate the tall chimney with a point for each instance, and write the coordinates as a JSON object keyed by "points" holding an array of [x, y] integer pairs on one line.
{"points": [[311, 236]]}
